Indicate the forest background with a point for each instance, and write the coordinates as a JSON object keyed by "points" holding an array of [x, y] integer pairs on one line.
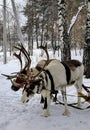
{"points": [[48, 23], [41, 23]]}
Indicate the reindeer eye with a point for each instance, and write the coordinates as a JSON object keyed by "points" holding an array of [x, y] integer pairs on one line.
{"points": [[32, 86], [29, 92]]}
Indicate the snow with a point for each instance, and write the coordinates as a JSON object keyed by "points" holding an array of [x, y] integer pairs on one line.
{"points": [[17, 116], [74, 18]]}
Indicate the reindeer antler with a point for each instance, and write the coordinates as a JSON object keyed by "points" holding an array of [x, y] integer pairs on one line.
{"points": [[19, 57], [45, 49], [27, 56], [24, 70], [9, 76]]}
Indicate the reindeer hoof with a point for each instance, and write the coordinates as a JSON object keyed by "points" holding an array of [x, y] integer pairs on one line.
{"points": [[66, 113], [45, 115], [79, 105]]}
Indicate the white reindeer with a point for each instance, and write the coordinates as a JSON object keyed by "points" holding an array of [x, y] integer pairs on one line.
{"points": [[56, 76]]}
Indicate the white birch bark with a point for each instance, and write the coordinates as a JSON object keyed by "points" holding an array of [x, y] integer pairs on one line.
{"points": [[20, 36]]}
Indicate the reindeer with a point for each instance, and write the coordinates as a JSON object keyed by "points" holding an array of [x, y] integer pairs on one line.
{"points": [[21, 78], [54, 77]]}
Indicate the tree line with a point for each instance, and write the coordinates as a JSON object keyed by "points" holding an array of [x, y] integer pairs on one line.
{"points": [[42, 24], [48, 23]]}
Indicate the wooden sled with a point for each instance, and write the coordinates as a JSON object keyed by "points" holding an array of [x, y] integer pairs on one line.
{"points": [[87, 98]]}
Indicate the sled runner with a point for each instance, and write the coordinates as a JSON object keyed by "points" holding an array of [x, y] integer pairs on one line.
{"points": [[85, 97]]}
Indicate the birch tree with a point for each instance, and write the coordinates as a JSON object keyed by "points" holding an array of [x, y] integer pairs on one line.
{"points": [[64, 37], [4, 32], [86, 55], [20, 36]]}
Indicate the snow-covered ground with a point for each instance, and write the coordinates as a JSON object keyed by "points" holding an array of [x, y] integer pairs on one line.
{"points": [[17, 116]]}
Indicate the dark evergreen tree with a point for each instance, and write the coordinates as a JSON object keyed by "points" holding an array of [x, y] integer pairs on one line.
{"points": [[86, 54]]}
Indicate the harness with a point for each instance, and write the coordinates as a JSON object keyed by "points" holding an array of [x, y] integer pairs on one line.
{"points": [[68, 72], [68, 77], [53, 91], [51, 79]]}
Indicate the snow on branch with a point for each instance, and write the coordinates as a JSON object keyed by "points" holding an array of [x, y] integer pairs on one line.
{"points": [[74, 18]]}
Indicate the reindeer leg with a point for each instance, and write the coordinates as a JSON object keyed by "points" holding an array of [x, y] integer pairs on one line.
{"points": [[47, 105], [55, 98], [42, 99], [79, 89], [66, 112]]}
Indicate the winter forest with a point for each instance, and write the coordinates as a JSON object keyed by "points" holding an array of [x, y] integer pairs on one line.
{"points": [[62, 29], [61, 25]]}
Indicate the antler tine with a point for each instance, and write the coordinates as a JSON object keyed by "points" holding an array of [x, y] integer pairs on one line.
{"points": [[9, 76], [27, 57], [24, 51], [45, 49], [26, 54], [19, 57]]}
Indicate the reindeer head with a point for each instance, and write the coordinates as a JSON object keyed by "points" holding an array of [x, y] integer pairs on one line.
{"points": [[19, 80], [34, 85], [30, 90], [24, 76]]}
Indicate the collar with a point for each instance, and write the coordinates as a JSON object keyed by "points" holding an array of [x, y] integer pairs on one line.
{"points": [[40, 87], [68, 72], [51, 79]]}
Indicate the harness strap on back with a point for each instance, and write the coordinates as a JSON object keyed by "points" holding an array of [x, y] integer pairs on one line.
{"points": [[68, 72]]}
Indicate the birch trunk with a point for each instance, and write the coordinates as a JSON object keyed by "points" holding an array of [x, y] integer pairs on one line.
{"points": [[64, 37], [4, 32]]}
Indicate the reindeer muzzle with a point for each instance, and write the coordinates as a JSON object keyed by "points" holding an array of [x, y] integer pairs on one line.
{"points": [[15, 88]]}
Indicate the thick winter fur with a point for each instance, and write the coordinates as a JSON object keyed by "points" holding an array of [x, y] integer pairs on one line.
{"points": [[59, 73], [40, 65]]}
